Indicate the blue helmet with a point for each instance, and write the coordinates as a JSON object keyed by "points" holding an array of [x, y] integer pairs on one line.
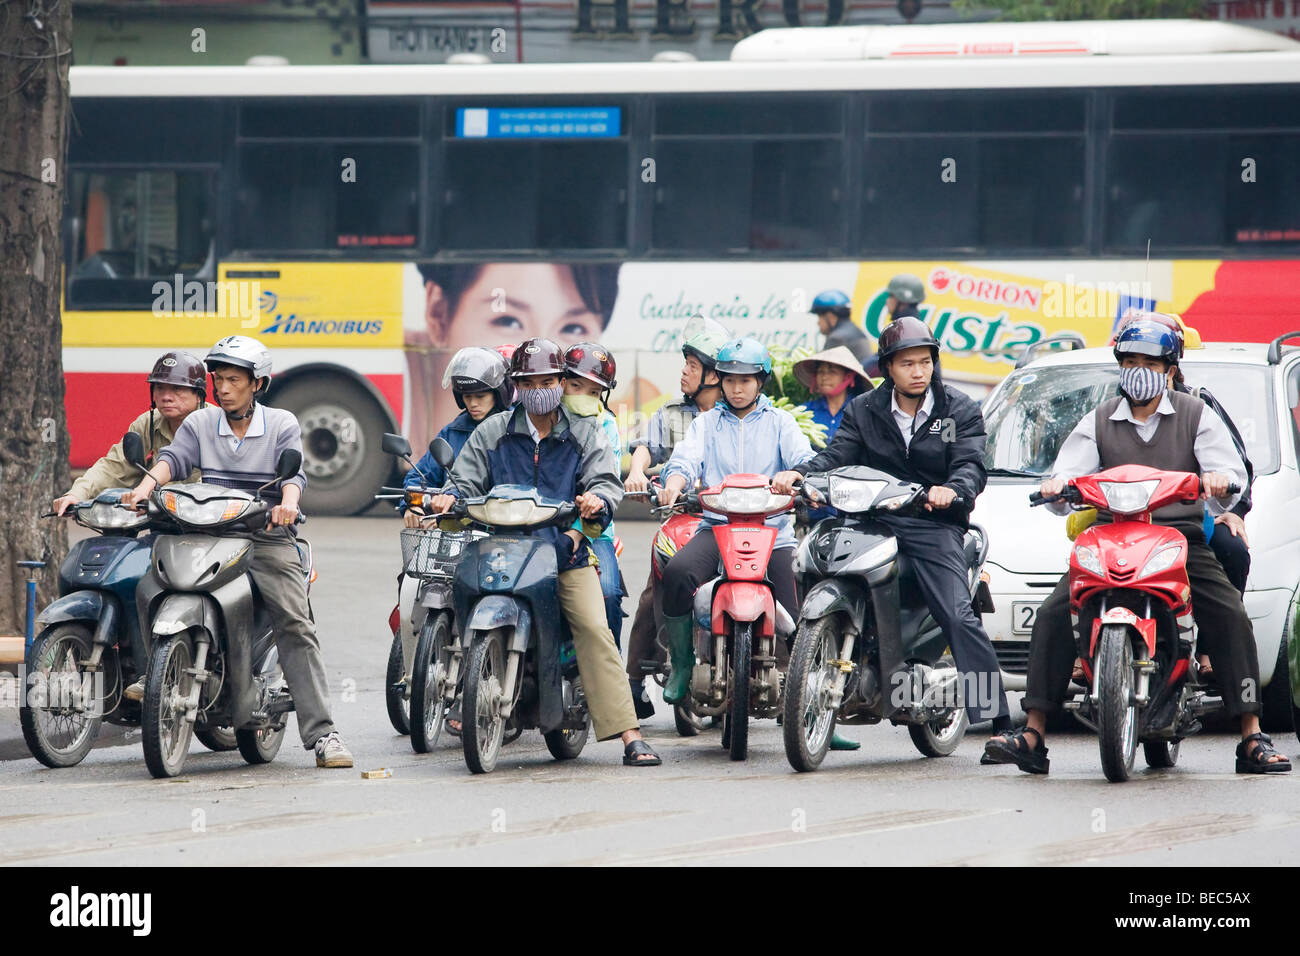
{"points": [[831, 300], [745, 357], [1148, 337]]}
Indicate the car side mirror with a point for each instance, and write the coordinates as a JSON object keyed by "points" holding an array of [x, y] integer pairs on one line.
{"points": [[395, 445], [133, 449], [441, 451], [289, 464]]}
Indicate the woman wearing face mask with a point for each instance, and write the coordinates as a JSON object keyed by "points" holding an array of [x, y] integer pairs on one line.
{"points": [[589, 372]]}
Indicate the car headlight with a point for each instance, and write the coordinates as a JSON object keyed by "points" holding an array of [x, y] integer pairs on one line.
{"points": [[103, 516], [210, 512], [745, 501], [510, 512], [1088, 560], [896, 502], [1161, 560], [854, 494], [1128, 497]]}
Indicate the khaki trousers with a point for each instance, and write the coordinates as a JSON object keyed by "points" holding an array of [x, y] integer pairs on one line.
{"points": [[609, 699]]}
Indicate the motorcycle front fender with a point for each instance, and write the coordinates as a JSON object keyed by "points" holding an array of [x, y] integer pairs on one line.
{"points": [[82, 606], [834, 596], [743, 601], [502, 610], [178, 612]]}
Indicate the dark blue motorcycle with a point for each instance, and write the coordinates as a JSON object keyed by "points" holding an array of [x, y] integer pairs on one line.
{"points": [[89, 646], [520, 670]]}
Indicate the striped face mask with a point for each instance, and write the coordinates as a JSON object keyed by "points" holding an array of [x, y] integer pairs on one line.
{"points": [[1140, 385]]}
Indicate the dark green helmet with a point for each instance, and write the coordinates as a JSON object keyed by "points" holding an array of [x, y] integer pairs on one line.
{"points": [[907, 288]]}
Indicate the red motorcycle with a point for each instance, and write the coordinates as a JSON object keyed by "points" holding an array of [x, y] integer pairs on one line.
{"points": [[737, 619], [1131, 596]]}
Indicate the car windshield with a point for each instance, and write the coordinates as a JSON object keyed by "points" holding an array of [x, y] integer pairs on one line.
{"points": [[1033, 412]]}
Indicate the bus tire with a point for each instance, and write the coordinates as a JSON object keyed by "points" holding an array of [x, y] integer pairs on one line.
{"points": [[341, 429]]}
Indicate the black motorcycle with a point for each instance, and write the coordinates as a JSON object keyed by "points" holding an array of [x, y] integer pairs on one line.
{"points": [[866, 648]]}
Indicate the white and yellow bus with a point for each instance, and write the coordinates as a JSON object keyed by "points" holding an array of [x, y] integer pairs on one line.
{"points": [[366, 221]]}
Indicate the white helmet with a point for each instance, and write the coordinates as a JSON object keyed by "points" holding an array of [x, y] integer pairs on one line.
{"points": [[241, 352]]}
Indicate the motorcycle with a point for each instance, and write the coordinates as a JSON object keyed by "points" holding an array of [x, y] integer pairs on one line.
{"points": [[213, 659], [429, 559], [520, 669], [677, 529], [1131, 595], [737, 621], [89, 647], [867, 648]]}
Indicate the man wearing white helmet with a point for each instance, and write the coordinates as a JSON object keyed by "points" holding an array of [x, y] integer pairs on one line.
{"points": [[236, 443]]}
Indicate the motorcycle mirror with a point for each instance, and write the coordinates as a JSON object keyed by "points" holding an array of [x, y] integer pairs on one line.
{"points": [[395, 445], [133, 449], [441, 451], [289, 464]]}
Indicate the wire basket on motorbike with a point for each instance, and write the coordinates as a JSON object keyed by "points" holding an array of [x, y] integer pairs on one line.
{"points": [[429, 552]]}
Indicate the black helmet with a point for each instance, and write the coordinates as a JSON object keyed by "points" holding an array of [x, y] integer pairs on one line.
{"points": [[181, 369], [537, 357], [478, 369], [906, 332]]}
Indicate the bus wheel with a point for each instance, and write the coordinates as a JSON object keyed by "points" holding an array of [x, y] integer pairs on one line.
{"points": [[341, 429]]}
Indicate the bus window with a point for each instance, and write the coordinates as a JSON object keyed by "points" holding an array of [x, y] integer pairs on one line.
{"points": [[130, 229], [735, 176], [990, 172], [327, 196], [1264, 189], [500, 195], [1169, 189]]}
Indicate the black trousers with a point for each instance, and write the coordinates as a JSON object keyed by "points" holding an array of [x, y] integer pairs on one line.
{"points": [[1223, 632], [939, 562], [1233, 555], [641, 643], [698, 562]]}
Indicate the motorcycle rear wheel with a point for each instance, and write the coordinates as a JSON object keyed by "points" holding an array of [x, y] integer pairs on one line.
{"points": [[58, 740], [217, 739], [428, 704], [259, 745], [1161, 754], [399, 706], [165, 731], [738, 716], [482, 726], [808, 725], [689, 723], [1117, 716]]}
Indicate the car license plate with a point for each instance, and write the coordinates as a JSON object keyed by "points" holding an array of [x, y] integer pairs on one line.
{"points": [[1023, 615]]}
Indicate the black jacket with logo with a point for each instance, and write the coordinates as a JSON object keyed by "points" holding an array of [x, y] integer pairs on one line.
{"points": [[948, 449]]}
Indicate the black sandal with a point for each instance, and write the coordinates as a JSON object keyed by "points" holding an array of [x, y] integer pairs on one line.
{"points": [[1007, 747], [1256, 761], [638, 748], [453, 713]]}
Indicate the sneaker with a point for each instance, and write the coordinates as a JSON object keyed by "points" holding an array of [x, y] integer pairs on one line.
{"points": [[330, 751], [135, 691]]}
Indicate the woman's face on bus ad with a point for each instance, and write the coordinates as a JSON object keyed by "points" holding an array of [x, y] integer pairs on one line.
{"points": [[510, 302]]}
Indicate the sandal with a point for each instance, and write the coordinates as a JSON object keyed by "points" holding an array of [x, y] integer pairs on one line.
{"points": [[1010, 747], [453, 713], [1077, 675], [636, 749], [1204, 671], [1256, 761]]}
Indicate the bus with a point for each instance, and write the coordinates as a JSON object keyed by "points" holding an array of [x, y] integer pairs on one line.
{"points": [[367, 221]]}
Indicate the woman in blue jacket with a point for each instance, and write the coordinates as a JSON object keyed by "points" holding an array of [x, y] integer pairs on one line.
{"points": [[743, 434]]}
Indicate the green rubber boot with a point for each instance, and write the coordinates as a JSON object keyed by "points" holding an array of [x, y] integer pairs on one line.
{"points": [[843, 743], [682, 655]]}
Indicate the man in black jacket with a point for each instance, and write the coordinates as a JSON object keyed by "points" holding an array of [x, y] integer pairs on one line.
{"points": [[918, 429]]}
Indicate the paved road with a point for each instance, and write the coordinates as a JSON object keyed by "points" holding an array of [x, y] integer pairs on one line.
{"points": [[884, 804]]}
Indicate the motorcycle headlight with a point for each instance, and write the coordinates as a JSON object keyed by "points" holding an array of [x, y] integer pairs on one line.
{"points": [[1128, 497], [103, 516], [1088, 560], [1162, 560], [854, 494], [211, 512], [510, 512], [745, 501]]}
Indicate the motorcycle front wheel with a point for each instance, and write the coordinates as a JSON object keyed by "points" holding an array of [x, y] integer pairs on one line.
{"points": [[1117, 716], [738, 715], [428, 705], [482, 726], [57, 734], [165, 731], [808, 722], [399, 705]]}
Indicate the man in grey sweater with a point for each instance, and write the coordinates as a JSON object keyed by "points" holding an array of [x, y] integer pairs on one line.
{"points": [[236, 444]]}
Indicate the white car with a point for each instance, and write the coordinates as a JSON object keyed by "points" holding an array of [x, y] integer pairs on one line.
{"points": [[1030, 414]]}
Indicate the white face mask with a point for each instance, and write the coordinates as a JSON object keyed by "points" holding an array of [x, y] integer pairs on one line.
{"points": [[1141, 384]]}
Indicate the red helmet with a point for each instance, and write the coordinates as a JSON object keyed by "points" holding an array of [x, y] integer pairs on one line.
{"points": [[507, 350], [592, 362], [537, 357]]}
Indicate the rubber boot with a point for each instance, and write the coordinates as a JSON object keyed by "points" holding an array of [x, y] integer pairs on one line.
{"points": [[677, 631], [843, 743]]}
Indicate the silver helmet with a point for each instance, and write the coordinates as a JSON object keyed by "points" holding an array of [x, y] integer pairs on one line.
{"points": [[241, 352]]}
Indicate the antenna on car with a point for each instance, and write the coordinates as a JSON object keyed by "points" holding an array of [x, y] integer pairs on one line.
{"points": [[1146, 275]]}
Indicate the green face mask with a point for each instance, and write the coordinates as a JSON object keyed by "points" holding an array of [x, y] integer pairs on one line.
{"points": [[584, 406]]}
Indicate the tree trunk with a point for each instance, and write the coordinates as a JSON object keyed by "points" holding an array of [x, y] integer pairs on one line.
{"points": [[35, 51]]}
